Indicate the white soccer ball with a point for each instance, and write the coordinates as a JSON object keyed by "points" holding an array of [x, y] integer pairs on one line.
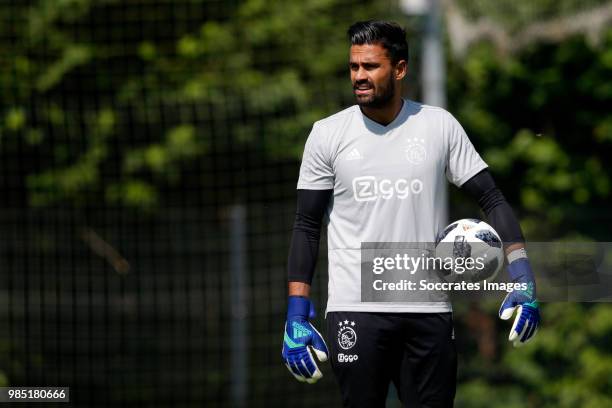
{"points": [[475, 249]]}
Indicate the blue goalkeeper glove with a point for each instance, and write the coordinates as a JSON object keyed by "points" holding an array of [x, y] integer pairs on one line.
{"points": [[301, 340], [524, 301]]}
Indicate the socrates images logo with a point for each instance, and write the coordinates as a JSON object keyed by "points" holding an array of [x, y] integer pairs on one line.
{"points": [[347, 337]]}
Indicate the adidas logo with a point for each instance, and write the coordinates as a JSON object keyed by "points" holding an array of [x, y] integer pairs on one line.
{"points": [[354, 155], [300, 331]]}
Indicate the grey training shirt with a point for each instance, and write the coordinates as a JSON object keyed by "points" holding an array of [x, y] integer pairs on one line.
{"points": [[388, 184]]}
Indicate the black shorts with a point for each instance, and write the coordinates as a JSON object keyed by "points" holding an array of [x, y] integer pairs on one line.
{"points": [[415, 351]]}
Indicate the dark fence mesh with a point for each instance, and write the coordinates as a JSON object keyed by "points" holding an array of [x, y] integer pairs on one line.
{"points": [[144, 217], [127, 308], [149, 153]]}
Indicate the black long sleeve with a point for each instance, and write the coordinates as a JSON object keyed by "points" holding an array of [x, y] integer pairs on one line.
{"points": [[311, 205], [491, 200]]}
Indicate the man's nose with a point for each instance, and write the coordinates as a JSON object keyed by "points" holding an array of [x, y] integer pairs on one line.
{"points": [[360, 75]]}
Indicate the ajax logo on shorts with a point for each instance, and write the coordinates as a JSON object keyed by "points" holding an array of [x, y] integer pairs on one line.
{"points": [[347, 337]]}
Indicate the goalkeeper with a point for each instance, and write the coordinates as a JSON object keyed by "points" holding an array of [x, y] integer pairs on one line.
{"points": [[376, 171]]}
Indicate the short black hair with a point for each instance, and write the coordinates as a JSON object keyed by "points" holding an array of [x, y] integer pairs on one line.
{"points": [[386, 33]]}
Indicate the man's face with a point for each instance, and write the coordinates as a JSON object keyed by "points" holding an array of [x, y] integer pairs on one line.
{"points": [[372, 74]]}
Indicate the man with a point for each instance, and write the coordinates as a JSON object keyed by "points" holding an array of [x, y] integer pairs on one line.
{"points": [[357, 170]]}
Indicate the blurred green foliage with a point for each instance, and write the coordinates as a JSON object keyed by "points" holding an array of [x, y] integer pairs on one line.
{"points": [[80, 118], [541, 119], [569, 364], [515, 15], [87, 96]]}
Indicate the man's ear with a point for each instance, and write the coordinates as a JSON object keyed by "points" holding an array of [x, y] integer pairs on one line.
{"points": [[401, 69]]}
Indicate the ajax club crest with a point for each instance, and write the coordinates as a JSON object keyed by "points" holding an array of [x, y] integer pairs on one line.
{"points": [[415, 150], [347, 337]]}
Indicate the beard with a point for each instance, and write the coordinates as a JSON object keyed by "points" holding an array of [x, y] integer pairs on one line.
{"points": [[381, 96]]}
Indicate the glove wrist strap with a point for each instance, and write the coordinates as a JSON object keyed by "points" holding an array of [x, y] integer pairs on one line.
{"points": [[520, 269], [516, 255], [298, 306]]}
